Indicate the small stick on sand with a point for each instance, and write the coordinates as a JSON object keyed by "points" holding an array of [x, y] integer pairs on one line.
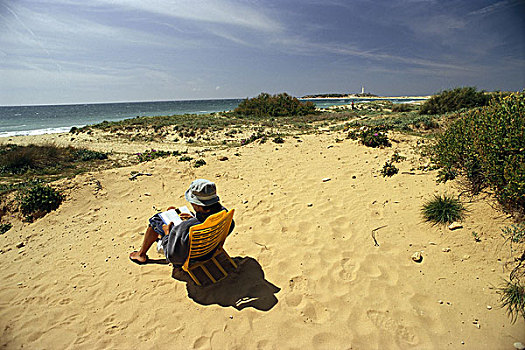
{"points": [[374, 234], [134, 176], [262, 245]]}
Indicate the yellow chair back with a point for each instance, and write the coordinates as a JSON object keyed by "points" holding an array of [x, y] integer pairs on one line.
{"points": [[206, 237]]}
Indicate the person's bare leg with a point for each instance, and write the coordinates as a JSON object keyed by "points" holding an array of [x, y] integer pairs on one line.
{"points": [[149, 238]]}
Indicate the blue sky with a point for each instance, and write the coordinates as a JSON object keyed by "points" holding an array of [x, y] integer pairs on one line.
{"points": [[69, 51]]}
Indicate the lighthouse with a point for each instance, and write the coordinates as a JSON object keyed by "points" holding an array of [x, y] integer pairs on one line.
{"points": [[362, 89]]}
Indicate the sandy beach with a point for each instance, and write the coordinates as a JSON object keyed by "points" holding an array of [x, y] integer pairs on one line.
{"points": [[310, 276]]}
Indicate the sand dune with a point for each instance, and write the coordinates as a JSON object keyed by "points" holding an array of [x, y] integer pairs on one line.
{"points": [[310, 276]]}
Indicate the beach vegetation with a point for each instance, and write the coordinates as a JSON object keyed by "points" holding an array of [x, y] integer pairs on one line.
{"points": [[454, 100], [5, 227], [15, 186], [512, 293], [154, 154], [374, 137], [45, 159], [512, 297], [185, 159], [274, 106], [278, 139], [87, 155], [199, 163], [397, 158], [410, 122], [443, 210], [38, 200], [254, 137], [515, 234], [389, 169], [403, 107], [486, 148]]}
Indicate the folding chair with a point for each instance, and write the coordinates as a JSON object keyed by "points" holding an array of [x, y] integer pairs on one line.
{"points": [[206, 237]]}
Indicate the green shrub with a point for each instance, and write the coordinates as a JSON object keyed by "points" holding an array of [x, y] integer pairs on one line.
{"points": [[254, 137], [487, 147], [185, 159], [39, 199], [199, 163], [374, 137], [512, 297], [5, 227], [402, 107], [454, 100], [274, 106], [389, 169], [353, 134], [154, 154], [396, 157], [278, 139], [514, 233], [87, 155], [18, 160], [442, 210]]}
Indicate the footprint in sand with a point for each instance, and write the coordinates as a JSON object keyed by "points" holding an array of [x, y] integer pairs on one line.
{"points": [[202, 343], [298, 283], [315, 312], [325, 340], [383, 321], [349, 269], [65, 301], [293, 299], [376, 210]]}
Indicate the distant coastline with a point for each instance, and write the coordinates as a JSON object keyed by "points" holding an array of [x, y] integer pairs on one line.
{"points": [[361, 96]]}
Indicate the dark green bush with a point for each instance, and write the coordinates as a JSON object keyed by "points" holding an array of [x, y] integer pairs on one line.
{"points": [[443, 210], [374, 137], [454, 100], [185, 159], [199, 163], [154, 154], [278, 139], [254, 137], [389, 169], [396, 158], [5, 227], [87, 155], [19, 160], [38, 200], [274, 106], [487, 147]]}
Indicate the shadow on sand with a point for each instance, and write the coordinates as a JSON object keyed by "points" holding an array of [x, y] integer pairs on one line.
{"points": [[244, 287]]}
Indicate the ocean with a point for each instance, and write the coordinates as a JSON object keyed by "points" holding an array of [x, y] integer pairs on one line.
{"points": [[36, 120]]}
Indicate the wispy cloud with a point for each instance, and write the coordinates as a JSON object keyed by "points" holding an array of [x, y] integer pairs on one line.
{"points": [[225, 12], [487, 10], [302, 46]]}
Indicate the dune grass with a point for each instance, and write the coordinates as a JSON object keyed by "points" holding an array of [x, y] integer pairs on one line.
{"points": [[443, 210], [512, 297]]}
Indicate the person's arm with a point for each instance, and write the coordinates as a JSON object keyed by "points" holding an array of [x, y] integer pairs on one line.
{"points": [[176, 244], [167, 228]]}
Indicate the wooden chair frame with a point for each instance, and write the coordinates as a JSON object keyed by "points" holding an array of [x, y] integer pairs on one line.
{"points": [[206, 237]]}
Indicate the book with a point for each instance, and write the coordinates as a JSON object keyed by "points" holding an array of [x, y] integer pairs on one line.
{"points": [[173, 216]]}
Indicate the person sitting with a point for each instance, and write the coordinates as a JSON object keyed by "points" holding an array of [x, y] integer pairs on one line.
{"points": [[174, 239]]}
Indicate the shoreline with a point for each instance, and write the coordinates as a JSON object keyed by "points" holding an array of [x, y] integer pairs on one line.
{"points": [[369, 98], [117, 117]]}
